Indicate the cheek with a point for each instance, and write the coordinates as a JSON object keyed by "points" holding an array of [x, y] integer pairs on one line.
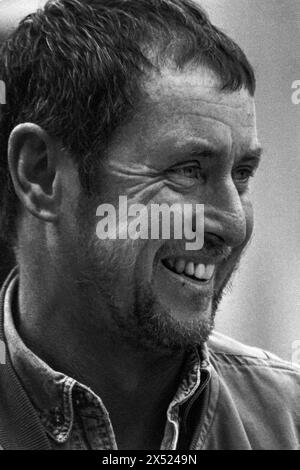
{"points": [[146, 260], [117, 256], [127, 262]]}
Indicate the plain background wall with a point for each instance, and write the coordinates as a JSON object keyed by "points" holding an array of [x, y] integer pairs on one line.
{"points": [[263, 308]]}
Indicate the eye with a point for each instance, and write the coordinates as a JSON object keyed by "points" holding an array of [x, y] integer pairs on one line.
{"points": [[243, 175], [191, 171]]}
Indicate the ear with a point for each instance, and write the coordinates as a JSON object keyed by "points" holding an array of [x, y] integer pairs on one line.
{"points": [[33, 158]]}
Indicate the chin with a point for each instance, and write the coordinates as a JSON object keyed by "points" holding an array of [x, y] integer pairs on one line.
{"points": [[165, 331]]}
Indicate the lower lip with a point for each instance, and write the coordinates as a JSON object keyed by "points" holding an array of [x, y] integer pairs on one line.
{"points": [[200, 286]]}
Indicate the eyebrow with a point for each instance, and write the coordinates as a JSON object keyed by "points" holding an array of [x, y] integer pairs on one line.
{"points": [[253, 155], [208, 150], [201, 149]]}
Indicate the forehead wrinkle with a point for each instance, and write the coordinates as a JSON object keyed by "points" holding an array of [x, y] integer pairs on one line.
{"points": [[182, 136], [199, 107], [209, 110], [198, 100], [186, 134], [210, 118]]}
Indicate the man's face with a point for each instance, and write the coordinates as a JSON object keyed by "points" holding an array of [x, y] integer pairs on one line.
{"points": [[190, 144]]}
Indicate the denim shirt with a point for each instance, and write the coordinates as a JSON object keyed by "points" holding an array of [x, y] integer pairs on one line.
{"points": [[73, 416]]}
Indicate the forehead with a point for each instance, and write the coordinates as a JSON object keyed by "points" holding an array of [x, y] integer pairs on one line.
{"points": [[182, 107]]}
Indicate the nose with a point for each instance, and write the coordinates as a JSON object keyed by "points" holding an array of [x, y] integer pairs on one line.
{"points": [[225, 215]]}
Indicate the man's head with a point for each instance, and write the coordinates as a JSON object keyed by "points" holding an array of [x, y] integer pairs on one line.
{"points": [[144, 99]]}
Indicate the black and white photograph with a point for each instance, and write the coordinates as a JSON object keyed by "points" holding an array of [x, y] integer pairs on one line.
{"points": [[149, 227]]}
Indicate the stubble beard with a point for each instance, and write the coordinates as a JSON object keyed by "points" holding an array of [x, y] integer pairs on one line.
{"points": [[148, 326], [151, 327]]}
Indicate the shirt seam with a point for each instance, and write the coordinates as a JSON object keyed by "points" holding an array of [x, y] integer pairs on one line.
{"points": [[264, 363]]}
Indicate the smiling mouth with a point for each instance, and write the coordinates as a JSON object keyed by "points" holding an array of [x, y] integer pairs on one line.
{"points": [[199, 272]]}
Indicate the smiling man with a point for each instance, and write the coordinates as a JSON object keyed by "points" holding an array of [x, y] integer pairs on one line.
{"points": [[109, 341]]}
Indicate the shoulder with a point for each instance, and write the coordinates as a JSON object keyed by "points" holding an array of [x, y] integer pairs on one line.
{"points": [[220, 345], [254, 397], [258, 367]]}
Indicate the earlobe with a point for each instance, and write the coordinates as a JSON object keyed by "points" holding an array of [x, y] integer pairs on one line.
{"points": [[32, 159]]}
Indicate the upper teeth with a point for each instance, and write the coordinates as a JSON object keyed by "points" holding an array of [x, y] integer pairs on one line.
{"points": [[198, 270]]}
